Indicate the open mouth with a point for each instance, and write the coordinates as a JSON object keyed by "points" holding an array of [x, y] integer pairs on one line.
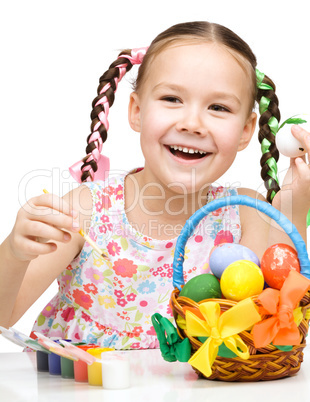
{"points": [[187, 153]]}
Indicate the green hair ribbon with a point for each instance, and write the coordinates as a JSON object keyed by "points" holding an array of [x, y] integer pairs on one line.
{"points": [[259, 81]]}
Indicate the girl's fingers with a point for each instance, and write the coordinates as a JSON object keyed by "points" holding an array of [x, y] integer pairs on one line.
{"points": [[62, 217], [27, 249], [55, 203], [304, 138], [301, 135], [307, 143], [302, 169], [298, 132], [293, 160], [35, 248], [40, 223], [57, 219], [43, 232]]}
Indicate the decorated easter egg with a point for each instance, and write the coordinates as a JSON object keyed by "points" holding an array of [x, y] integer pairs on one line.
{"points": [[277, 261], [288, 145], [242, 279], [204, 286], [226, 253]]}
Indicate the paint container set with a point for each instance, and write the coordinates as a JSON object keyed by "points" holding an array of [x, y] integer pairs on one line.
{"points": [[79, 361]]}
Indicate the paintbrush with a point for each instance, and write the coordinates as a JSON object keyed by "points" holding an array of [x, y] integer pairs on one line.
{"points": [[88, 239]]}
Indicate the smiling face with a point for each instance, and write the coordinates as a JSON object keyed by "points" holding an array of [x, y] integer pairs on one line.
{"points": [[193, 115]]}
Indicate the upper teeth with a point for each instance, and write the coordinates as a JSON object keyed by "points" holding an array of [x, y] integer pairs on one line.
{"points": [[187, 150]]}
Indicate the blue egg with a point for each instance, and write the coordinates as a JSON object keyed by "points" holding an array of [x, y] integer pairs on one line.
{"points": [[226, 253]]}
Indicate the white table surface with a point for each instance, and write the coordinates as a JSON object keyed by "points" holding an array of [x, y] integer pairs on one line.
{"points": [[152, 379]]}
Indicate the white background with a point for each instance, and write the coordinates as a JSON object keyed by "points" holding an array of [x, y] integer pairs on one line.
{"points": [[52, 55]]}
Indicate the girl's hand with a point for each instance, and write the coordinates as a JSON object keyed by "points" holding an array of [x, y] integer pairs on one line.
{"points": [[297, 179], [41, 222]]}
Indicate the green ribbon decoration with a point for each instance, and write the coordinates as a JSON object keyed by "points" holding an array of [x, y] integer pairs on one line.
{"points": [[172, 346], [223, 349], [259, 81], [263, 104], [265, 145], [274, 125], [284, 348], [308, 218], [265, 86], [259, 77]]}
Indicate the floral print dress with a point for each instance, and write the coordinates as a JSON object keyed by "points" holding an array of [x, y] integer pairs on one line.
{"points": [[110, 303]]}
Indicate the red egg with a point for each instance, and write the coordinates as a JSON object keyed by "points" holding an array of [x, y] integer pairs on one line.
{"points": [[276, 263]]}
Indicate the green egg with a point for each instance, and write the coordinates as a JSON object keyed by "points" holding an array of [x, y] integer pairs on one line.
{"points": [[204, 286]]}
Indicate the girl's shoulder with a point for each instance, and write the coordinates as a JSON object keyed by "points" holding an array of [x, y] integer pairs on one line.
{"points": [[216, 192], [105, 198], [110, 189], [248, 214], [106, 186]]}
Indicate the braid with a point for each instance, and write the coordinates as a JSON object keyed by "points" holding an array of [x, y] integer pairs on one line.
{"points": [[268, 127], [99, 115], [108, 83]]}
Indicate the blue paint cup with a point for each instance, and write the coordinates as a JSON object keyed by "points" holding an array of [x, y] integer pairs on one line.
{"points": [[54, 366]]}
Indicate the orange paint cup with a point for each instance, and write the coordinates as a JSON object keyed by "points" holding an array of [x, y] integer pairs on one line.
{"points": [[94, 370]]}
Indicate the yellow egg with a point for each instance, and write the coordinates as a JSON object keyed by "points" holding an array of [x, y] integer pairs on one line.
{"points": [[242, 279]]}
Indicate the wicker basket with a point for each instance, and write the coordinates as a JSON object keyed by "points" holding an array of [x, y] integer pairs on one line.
{"points": [[268, 363]]}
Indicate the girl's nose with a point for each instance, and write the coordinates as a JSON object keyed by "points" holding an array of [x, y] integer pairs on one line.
{"points": [[191, 122]]}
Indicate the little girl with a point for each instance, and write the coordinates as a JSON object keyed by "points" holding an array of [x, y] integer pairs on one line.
{"points": [[192, 104]]}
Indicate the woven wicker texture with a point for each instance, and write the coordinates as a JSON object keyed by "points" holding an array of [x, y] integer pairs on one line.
{"points": [[268, 363]]}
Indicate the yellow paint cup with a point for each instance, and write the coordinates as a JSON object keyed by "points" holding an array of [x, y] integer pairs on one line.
{"points": [[94, 370]]}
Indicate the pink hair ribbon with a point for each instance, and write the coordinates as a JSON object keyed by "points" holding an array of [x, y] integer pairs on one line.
{"points": [[103, 163], [137, 55]]}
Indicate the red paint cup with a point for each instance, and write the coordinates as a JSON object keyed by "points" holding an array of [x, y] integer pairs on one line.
{"points": [[80, 367]]}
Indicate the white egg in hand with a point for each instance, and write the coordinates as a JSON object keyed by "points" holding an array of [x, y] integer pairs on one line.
{"points": [[288, 145]]}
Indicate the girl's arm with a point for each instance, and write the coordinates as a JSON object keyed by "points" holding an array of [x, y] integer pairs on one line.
{"points": [[28, 267], [293, 200]]}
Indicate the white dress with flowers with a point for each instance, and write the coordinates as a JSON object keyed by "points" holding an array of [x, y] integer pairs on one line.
{"points": [[111, 302]]}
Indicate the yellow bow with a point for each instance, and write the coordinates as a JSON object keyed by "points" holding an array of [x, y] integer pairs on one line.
{"points": [[220, 328]]}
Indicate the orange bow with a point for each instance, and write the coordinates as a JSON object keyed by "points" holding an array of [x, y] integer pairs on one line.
{"points": [[281, 328]]}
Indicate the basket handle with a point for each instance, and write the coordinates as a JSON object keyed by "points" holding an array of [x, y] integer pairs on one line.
{"points": [[267, 209]]}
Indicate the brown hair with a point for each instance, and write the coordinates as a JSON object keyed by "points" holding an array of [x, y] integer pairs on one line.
{"points": [[199, 31]]}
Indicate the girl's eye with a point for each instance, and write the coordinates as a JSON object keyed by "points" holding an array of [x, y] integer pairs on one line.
{"points": [[218, 108], [171, 99]]}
